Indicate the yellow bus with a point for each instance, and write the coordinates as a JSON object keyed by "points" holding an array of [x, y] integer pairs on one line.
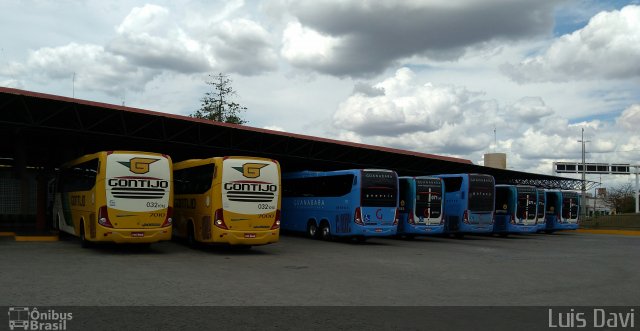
{"points": [[228, 200], [115, 196]]}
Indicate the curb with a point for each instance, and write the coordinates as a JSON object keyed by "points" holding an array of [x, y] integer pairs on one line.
{"points": [[616, 232], [37, 238]]}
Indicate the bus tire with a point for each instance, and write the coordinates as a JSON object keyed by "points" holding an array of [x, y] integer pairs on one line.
{"points": [[84, 243], [325, 231], [312, 230], [459, 235]]}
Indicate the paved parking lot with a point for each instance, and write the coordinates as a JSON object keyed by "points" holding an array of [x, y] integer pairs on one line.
{"points": [[559, 269]]}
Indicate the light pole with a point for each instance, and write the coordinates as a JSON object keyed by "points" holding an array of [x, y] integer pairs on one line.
{"points": [[584, 169]]}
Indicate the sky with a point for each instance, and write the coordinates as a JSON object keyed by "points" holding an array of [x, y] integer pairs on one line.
{"points": [[458, 78]]}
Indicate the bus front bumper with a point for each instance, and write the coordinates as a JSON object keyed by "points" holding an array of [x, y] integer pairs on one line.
{"points": [[476, 228], [425, 230], [521, 228], [373, 231]]}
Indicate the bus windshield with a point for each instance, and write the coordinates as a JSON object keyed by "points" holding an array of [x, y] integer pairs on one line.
{"points": [[379, 189], [428, 198], [540, 204], [481, 189], [569, 206], [526, 203]]}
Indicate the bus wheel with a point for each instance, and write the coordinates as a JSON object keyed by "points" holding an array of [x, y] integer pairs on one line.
{"points": [[83, 238], [312, 230], [325, 231], [503, 235], [458, 235]]}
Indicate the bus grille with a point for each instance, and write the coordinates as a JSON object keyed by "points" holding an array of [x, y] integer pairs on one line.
{"points": [[138, 193], [244, 196]]}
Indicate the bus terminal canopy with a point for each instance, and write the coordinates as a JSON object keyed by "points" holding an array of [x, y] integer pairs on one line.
{"points": [[44, 131]]}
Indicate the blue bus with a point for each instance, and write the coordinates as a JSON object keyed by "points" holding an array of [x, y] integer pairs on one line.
{"points": [[469, 203], [421, 206], [516, 209], [357, 203], [541, 221], [562, 210]]}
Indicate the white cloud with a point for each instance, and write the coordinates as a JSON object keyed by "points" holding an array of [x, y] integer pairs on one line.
{"points": [[405, 107], [241, 46], [93, 67], [529, 109], [450, 120], [607, 48], [149, 37], [630, 118], [303, 46], [362, 38]]}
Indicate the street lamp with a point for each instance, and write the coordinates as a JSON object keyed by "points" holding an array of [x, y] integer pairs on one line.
{"points": [[584, 169]]}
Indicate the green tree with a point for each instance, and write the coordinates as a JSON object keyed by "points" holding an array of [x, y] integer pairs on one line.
{"points": [[217, 105], [620, 198]]}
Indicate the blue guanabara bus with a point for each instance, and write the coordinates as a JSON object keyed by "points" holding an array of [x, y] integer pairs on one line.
{"points": [[357, 203], [541, 221], [516, 209], [469, 203], [562, 210], [421, 206]]}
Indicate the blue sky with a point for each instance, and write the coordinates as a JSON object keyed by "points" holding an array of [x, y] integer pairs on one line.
{"points": [[432, 76]]}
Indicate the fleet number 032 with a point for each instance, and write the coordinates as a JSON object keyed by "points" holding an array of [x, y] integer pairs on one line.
{"points": [[266, 206], [155, 205]]}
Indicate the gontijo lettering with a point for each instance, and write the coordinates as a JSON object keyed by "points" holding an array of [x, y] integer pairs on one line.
{"points": [[251, 186]]}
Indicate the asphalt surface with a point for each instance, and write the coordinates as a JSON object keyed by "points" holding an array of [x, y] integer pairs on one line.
{"points": [[562, 269]]}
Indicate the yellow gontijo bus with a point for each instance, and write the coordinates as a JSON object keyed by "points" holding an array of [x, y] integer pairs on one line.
{"points": [[232, 200], [116, 196]]}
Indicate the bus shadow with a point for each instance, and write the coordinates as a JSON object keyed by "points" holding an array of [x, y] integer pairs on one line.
{"points": [[124, 249], [513, 236], [222, 249], [340, 240]]}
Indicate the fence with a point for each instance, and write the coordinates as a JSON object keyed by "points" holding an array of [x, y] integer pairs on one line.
{"points": [[619, 221]]}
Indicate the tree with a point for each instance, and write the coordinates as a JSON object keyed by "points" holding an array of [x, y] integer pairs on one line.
{"points": [[217, 104], [621, 198]]}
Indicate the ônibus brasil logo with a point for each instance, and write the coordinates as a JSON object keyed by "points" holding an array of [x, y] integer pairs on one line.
{"points": [[32, 319], [138, 165], [251, 170]]}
